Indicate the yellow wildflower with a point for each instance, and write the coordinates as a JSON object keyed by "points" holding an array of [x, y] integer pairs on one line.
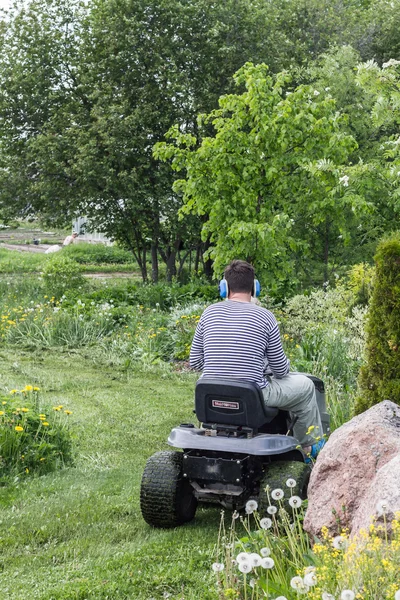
{"points": [[42, 459], [19, 428], [13, 391], [28, 388], [68, 412], [1, 412], [45, 424], [36, 389], [24, 410], [4, 402]]}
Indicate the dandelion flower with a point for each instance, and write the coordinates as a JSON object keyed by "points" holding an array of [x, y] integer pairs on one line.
{"points": [[397, 595], [1, 412], [242, 557], [19, 428], [281, 598], [251, 506], [310, 579], [255, 559], [4, 402], [265, 523], [24, 410], [13, 391], [272, 510], [277, 494], [298, 584], [339, 542], [245, 566], [68, 412], [382, 507], [36, 389], [326, 596], [291, 483], [217, 567], [265, 552], [267, 563], [45, 424], [235, 515], [28, 388], [347, 595], [295, 501]]}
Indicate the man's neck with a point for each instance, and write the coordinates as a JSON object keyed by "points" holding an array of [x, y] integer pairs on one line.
{"points": [[239, 297]]}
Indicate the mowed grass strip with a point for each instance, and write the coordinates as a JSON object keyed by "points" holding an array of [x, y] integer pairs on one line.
{"points": [[78, 534]]}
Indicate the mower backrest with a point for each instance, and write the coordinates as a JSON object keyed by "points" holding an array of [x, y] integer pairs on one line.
{"points": [[231, 402]]}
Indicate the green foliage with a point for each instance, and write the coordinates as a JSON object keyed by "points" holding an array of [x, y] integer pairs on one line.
{"points": [[61, 274], [360, 282], [380, 377], [274, 161], [33, 439], [98, 254]]}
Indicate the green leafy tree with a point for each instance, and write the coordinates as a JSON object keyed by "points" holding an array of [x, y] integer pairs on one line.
{"points": [[380, 377], [271, 171]]}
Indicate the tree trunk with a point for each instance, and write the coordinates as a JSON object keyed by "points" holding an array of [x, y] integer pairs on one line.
{"points": [[197, 258], [154, 262], [326, 253], [144, 265], [171, 264], [208, 264]]}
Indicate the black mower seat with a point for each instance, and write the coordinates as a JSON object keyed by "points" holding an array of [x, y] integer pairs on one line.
{"points": [[231, 402]]}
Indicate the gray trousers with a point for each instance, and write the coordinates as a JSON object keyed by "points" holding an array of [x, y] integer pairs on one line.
{"points": [[296, 394]]}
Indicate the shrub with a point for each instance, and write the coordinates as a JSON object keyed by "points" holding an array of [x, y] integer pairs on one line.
{"points": [[33, 439], [60, 274], [380, 377], [98, 254]]}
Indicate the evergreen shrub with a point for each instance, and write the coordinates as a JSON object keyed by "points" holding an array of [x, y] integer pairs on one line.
{"points": [[380, 377]]}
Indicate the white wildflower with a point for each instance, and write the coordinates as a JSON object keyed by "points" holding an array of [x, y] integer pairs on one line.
{"points": [[326, 596], [397, 595], [291, 483], [281, 598], [252, 583], [272, 510], [298, 584], [347, 595], [277, 494], [327, 89], [344, 180], [265, 523], [235, 515], [316, 93], [382, 507], [339, 542], [217, 567], [242, 557], [265, 552], [251, 506], [295, 501], [310, 579], [255, 559], [390, 63], [245, 566], [267, 563]]}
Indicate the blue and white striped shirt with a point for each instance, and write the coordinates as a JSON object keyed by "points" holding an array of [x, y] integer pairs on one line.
{"points": [[234, 340]]}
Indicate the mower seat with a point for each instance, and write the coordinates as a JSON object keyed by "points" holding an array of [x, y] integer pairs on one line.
{"points": [[231, 402]]}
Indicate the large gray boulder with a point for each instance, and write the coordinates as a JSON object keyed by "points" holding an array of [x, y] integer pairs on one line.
{"points": [[357, 469]]}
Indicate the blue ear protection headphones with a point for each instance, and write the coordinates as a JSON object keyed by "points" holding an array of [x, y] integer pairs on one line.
{"points": [[224, 289]]}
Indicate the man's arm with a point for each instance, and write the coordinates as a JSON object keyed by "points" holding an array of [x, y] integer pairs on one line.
{"points": [[196, 358], [277, 361]]}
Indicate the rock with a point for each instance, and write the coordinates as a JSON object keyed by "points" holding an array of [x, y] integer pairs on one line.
{"points": [[358, 467]]}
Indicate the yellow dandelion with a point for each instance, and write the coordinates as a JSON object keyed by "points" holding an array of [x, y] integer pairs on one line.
{"points": [[13, 391], [68, 412], [28, 388], [41, 459], [42, 418], [45, 424], [1, 412], [36, 389], [24, 410], [56, 408], [18, 409], [4, 402], [42, 415], [19, 428], [26, 470]]}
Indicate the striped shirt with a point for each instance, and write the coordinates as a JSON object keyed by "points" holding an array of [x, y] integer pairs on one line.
{"points": [[235, 340]]}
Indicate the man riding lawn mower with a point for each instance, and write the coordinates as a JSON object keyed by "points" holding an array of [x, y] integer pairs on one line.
{"points": [[260, 424]]}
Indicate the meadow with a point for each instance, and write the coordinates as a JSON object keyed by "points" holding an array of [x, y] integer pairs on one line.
{"points": [[114, 352]]}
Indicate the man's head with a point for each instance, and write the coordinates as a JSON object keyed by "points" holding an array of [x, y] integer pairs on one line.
{"points": [[239, 275], [74, 234]]}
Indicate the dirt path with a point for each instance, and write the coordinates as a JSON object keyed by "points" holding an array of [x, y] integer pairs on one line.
{"points": [[26, 247]]}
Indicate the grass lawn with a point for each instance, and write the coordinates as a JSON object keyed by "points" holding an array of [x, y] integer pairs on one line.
{"points": [[78, 534]]}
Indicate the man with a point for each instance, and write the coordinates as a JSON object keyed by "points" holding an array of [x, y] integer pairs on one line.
{"points": [[70, 239], [236, 338]]}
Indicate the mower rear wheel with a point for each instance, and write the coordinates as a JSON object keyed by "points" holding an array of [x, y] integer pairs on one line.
{"points": [[166, 497], [276, 476]]}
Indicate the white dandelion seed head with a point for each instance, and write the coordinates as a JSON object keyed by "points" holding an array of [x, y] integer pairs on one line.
{"points": [[281, 598], [397, 595], [277, 494], [245, 566], [339, 542], [265, 523], [297, 583], [217, 567], [326, 596], [255, 559], [382, 507], [272, 510], [267, 563], [235, 515], [347, 595], [291, 483], [310, 570], [295, 501], [242, 557], [252, 582], [251, 506], [265, 552], [310, 579]]}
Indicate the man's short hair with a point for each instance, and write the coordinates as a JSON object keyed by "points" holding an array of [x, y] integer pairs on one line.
{"points": [[239, 275]]}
